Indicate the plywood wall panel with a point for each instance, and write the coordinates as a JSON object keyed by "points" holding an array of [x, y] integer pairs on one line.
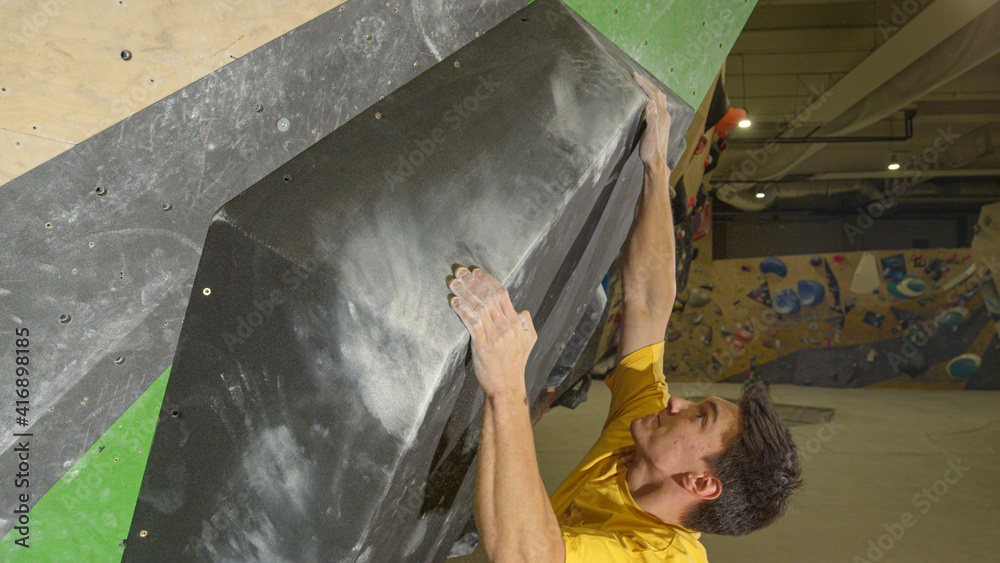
{"points": [[63, 77]]}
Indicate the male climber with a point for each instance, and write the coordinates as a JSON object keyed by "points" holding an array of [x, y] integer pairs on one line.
{"points": [[663, 470]]}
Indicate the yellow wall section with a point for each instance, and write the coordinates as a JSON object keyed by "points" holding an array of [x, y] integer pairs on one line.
{"points": [[808, 328]]}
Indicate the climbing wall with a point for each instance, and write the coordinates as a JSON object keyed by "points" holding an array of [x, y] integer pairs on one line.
{"points": [[129, 61], [320, 392], [108, 234], [910, 318]]}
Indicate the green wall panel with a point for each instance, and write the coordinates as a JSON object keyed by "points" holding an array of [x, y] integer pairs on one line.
{"points": [[87, 513], [682, 42]]}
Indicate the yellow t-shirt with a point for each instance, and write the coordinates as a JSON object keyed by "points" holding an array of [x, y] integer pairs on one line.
{"points": [[599, 519]]}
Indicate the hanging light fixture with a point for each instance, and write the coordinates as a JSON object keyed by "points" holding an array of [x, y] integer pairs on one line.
{"points": [[893, 162]]}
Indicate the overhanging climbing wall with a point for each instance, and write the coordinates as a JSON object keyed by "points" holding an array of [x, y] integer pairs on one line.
{"points": [[101, 243], [191, 151], [320, 405]]}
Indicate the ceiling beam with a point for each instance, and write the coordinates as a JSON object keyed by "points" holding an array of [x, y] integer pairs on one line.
{"points": [[973, 147], [926, 30], [983, 172]]}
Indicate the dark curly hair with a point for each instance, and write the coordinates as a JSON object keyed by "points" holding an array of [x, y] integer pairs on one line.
{"points": [[759, 471]]}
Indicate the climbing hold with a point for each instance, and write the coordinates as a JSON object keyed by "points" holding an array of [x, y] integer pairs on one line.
{"points": [[874, 319], [908, 287], [761, 294], [866, 275], [786, 302], [964, 366], [811, 293], [951, 317], [699, 297], [773, 266]]}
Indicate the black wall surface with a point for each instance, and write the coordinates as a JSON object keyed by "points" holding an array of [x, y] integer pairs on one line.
{"points": [[120, 265], [321, 406]]}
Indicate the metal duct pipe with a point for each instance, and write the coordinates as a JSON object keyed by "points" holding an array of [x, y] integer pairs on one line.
{"points": [[743, 195]]}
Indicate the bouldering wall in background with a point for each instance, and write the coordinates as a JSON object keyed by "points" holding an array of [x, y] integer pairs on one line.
{"points": [[902, 318]]}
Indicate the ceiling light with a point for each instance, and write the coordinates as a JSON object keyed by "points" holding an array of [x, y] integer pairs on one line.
{"points": [[894, 166], [745, 123], [760, 195]]}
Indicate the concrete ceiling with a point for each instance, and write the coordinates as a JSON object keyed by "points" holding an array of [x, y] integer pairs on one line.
{"points": [[861, 65]]}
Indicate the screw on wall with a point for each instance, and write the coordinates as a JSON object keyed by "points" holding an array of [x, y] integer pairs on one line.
{"points": [[126, 55], [101, 191], [120, 360], [167, 207], [64, 318], [284, 124], [258, 108]]}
